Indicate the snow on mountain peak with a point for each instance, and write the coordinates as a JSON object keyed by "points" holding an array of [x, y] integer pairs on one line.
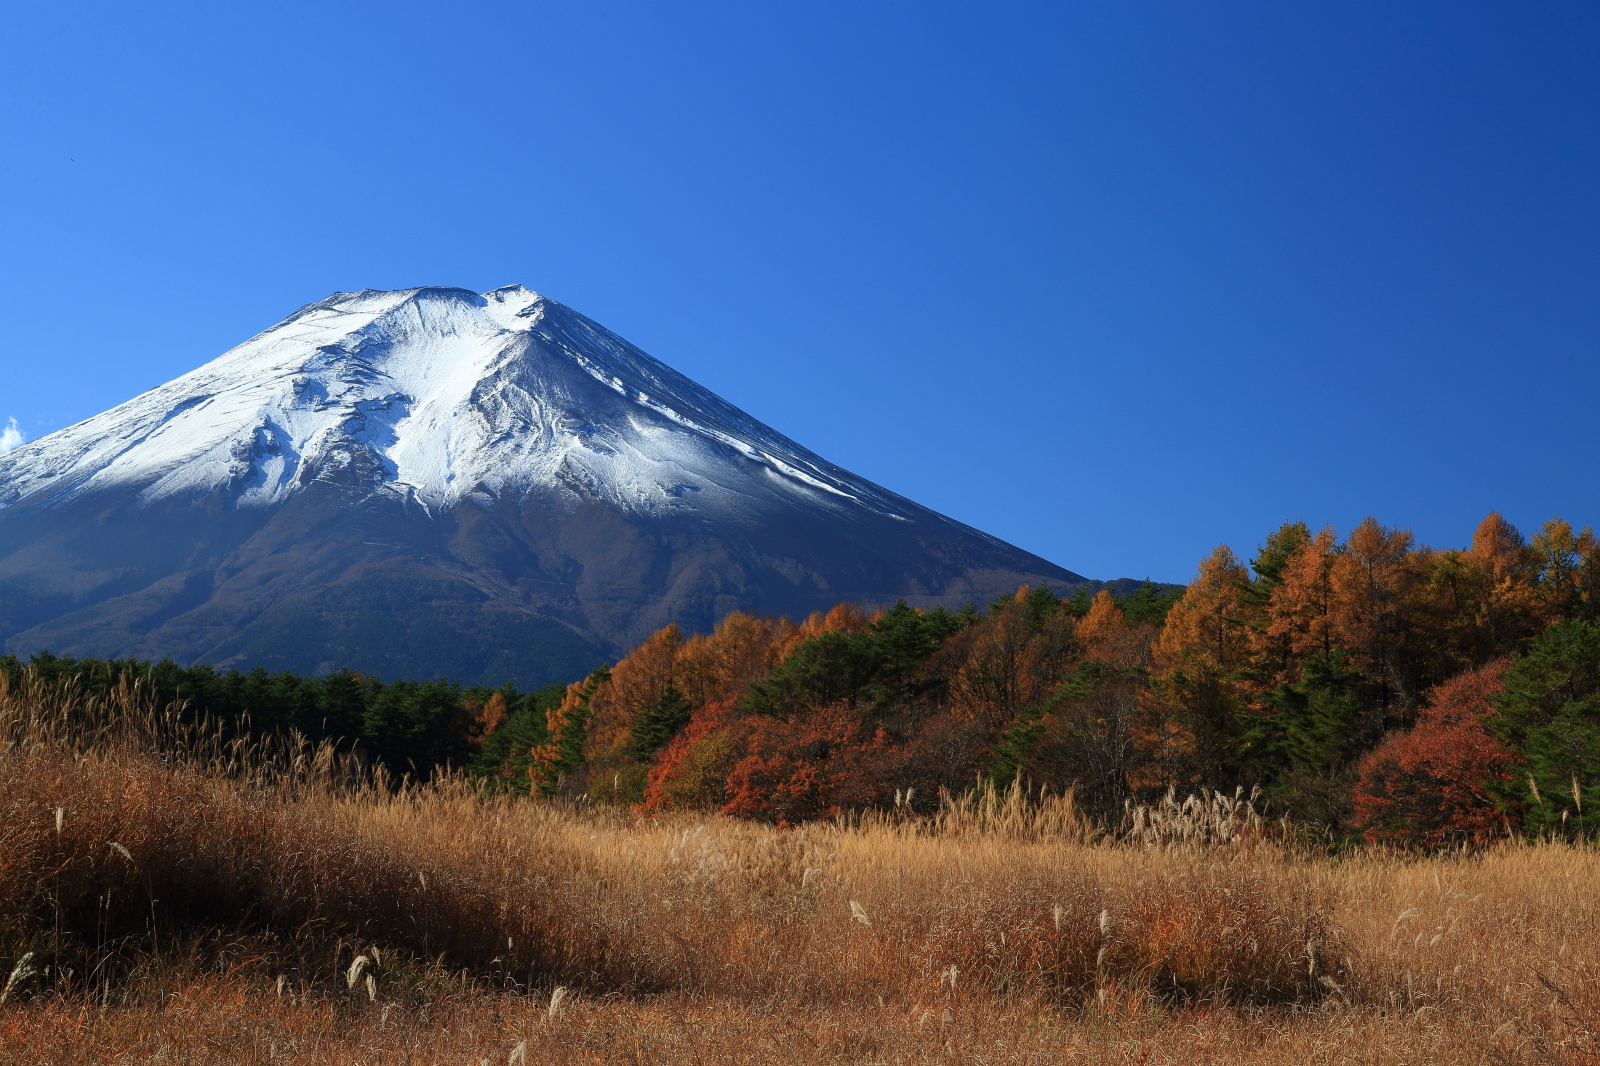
{"points": [[438, 395]]}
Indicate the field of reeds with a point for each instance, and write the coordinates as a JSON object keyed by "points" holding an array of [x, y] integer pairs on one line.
{"points": [[168, 895]]}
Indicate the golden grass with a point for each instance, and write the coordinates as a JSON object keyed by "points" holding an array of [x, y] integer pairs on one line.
{"points": [[200, 902], [215, 1021]]}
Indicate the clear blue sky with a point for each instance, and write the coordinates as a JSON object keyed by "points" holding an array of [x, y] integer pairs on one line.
{"points": [[1116, 282]]}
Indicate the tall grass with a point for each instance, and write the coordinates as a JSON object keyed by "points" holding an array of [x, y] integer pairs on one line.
{"points": [[319, 912]]}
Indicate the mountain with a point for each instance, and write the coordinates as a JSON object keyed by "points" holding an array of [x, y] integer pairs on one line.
{"points": [[437, 482]]}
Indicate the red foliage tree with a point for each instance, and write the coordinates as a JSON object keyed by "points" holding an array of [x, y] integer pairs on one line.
{"points": [[813, 766], [835, 759], [691, 771], [1432, 785]]}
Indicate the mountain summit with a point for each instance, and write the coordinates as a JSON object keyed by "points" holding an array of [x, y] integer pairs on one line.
{"points": [[433, 481]]}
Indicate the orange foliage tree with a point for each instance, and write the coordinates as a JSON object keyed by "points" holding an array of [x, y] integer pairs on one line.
{"points": [[1208, 624], [1200, 658], [1010, 661], [743, 648], [1485, 599], [612, 771], [1374, 615], [558, 762], [1301, 609]]}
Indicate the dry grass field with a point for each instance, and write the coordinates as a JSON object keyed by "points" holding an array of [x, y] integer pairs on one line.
{"points": [[166, 896]]}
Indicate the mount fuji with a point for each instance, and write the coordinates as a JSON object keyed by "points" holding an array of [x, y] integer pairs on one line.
{"points": [[439, 482]]}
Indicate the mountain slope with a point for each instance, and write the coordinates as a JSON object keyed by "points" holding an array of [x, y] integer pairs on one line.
{"points": [[437, 481]]}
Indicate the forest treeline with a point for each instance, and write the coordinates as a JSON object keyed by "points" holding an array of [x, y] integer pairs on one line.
{"points": [[1369, 684], [411, 726]]}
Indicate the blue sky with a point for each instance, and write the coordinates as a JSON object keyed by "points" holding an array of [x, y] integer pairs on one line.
{"points": [[1116, 282]]}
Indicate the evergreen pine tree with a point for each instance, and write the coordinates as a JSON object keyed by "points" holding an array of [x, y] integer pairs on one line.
{"points": [[1549, 714], [1270, 559], [1147, 604], [656, 726], [1042, 604], [1321, 718]]}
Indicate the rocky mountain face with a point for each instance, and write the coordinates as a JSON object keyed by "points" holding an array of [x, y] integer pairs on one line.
{"points": [[439, 482]]}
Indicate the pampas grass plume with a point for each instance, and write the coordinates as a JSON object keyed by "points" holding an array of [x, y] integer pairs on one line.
{"points": [[20, 972]]}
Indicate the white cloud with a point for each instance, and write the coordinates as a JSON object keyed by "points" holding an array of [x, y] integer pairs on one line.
{"points": [[11, 436]]}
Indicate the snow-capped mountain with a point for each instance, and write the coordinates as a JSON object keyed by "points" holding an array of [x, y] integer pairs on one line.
{"points": [[440, 394], [494, 469]]}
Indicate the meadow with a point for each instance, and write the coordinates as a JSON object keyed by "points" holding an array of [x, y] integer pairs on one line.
{"points": [[173, 895]]}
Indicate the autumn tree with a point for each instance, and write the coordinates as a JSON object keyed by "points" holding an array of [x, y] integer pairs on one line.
{"points": [[487, 717], [1299, 614], [615, 772], [1011, 660], [1566, 570], [1439, 782], [507, 748], [1201, 658], [1208, 622], [691, 772], [1272, 655], [742, 649], [812, 766], [1372, 617], [561, 757], [1483, 601], [1507, 608], [840, 618]]}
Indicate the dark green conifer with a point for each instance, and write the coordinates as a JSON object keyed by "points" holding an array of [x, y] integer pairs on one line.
{"points": [[656, 726]]}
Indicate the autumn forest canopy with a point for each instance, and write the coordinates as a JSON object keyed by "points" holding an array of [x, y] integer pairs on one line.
{"points": [[1367, 685]]}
